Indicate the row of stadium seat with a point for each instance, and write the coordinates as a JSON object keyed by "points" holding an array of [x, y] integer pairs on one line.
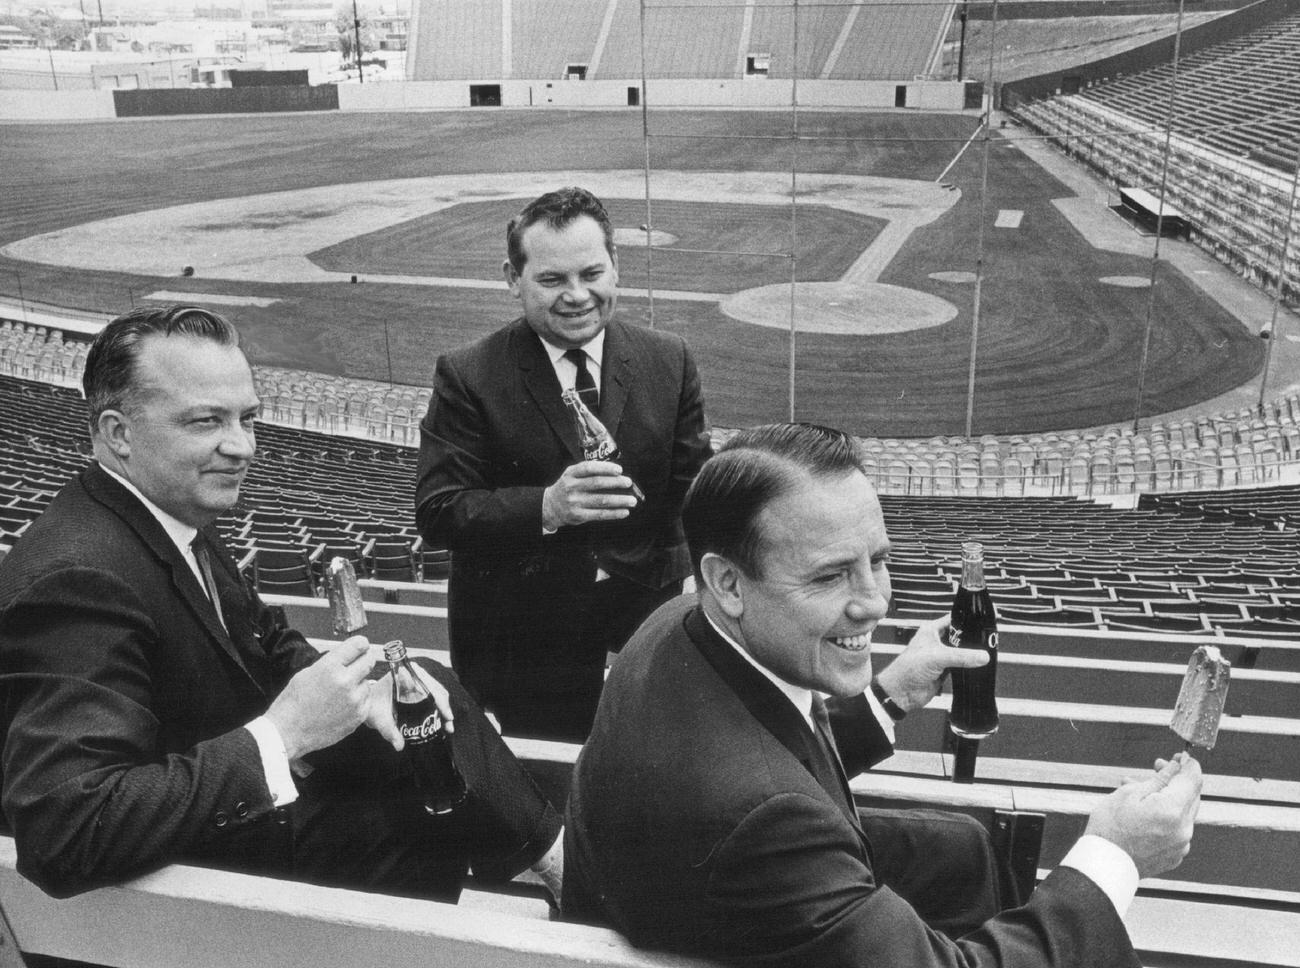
{"points": [[1213, 450], [311, 496], [1228, 93], [1238, 209]]}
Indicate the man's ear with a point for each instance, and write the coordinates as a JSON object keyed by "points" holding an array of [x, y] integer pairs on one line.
{"points": [[722, 579], [512, 278], [115, 430]]}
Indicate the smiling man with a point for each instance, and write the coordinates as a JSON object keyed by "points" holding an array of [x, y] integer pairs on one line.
{"points": [[554, 563], [154, 709], [710, 812]]}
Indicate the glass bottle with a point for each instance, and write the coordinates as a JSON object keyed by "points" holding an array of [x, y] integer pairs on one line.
{"points": [[974, 713], [597, 442], [428, 747]]}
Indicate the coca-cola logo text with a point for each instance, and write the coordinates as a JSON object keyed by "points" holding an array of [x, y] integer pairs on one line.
{"points": [[990, 640], [422, 732]]}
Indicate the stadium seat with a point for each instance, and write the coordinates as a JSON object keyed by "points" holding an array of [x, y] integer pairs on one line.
{"points": [[435, 563], [282, 570], [1077, 617], [391, 558], [1159, 622]]}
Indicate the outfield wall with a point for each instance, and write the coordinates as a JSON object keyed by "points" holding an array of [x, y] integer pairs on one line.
{"points": [[224, 100], [432, 95], [457, 95]]}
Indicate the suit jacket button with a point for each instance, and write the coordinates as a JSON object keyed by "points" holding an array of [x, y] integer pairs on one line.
{"points": [[281, 815], [241, 810], [221, 818]]}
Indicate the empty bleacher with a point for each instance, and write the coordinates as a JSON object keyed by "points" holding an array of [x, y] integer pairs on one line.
{"points": [[1170, 566], [1212, 450], [1081, 707], [1233, 115], [691, 39], [307, 492], [1182, 567], [1241, 96]]}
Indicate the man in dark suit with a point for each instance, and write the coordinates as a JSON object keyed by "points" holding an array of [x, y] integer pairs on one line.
{"points": [[554, 563], [710, 812], [154, 709]]}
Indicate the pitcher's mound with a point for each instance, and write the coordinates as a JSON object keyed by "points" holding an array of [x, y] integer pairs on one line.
{"points": [[845, 309]]}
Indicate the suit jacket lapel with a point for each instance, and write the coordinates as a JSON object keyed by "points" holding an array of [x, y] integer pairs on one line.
{"points": [[772, 709], [539, 380], [124, 504], [616, 377]]}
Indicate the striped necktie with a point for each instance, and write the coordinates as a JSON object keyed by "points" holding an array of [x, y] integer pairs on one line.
{"points": [[584, 384]]}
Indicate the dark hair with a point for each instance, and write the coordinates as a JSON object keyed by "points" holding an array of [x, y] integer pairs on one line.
{"points": [[750, 471], [557, 209], [109, 381]]}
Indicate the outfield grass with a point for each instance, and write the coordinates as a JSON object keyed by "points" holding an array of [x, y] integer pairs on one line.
{"points": [[1058, 348]]}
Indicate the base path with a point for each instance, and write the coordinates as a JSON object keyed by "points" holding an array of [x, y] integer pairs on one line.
{"points": [[268, 238]]}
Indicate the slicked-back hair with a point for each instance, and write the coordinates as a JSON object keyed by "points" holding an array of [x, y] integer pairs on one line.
{"points": [[749, 472], [110, 381], [558, 209]]}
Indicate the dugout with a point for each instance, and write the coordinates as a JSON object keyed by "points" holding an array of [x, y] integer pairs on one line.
{"points": [[1144, 208]]}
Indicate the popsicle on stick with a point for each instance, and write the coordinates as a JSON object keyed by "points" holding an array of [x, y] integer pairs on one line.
{"points": [[346, 607], [1200, 701]]}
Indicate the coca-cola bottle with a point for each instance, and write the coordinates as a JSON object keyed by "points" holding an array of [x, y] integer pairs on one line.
{"points": [[597, 442], [974, 712], [427, 745]]}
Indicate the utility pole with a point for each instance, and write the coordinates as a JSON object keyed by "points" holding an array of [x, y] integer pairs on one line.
{"points": [[356, 26], [961, 45]]}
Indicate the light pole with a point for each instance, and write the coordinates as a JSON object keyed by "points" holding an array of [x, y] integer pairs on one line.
{"points": [[356, 26]]}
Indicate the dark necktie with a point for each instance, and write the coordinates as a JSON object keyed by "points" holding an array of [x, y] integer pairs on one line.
{"points": [[826, 740], [200, 549], [584, 384]]}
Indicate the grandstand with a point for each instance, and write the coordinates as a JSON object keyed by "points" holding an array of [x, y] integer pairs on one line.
{"points": [[596, 40], [1115, 545], [1088, 596], [1226, 562], [1230, 112]]}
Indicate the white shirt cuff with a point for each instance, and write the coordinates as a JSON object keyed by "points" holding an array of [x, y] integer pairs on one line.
{"points": [[275, 764], [1108, 866], [882, 717]]}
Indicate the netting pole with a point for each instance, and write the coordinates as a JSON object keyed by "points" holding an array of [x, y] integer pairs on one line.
{"points": [[1160, 219], [979, 238], [645, 145], [1281, 279], [794, 186]]}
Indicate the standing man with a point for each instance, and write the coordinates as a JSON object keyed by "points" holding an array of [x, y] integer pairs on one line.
{"points": [[554, 562], [153, 709], [710, 812]]}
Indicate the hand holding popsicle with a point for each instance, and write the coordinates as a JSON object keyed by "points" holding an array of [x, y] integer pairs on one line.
{"points": [[1152, 819]]}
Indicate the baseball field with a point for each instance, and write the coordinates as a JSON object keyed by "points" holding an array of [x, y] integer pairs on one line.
{"points": [[366, 244]]}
